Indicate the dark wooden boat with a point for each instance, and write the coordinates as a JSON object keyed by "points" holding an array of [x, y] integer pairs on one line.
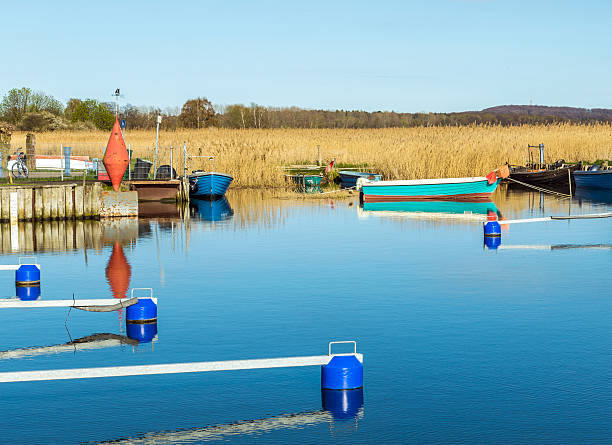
{"points": [[540, 174], [557, 174]]}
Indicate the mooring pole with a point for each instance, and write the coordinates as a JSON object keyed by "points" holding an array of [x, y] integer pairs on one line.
{"points": [[171, 150], [159, 119]]}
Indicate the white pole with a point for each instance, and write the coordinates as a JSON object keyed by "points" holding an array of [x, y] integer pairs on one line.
{"points": [[62, 166], [171, 150], [185, 158], [129, 162], [159, 118]]}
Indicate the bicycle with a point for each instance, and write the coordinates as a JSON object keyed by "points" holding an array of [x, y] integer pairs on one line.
{"points": [[19, 168]]}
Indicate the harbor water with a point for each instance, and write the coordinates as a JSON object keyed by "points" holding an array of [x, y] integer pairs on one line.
{"points": [[462, 343]]}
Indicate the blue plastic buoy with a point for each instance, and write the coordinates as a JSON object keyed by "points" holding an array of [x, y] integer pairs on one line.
{"points": [[27, 275], [145, 311], [27, 293], [143, 332], [342, 372], [492, 242], [343, 405], [492, 229]]}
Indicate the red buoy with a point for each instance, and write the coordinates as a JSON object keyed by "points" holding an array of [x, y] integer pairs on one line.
{"points": [[116, 158]]}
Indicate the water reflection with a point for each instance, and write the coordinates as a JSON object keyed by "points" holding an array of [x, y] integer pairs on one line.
{"points": [[594, 196], [214, 210], [467, 211], [268, 210], [95, 341], [340, 408], [118, 272]]}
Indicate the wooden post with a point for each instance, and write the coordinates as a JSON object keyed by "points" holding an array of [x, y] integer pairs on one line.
{"points": [[319, 151], [69, 202], [61, 202], [46, 203], [569, 177], [54, 192], [20, 204], [87, 192], [96, 199], [5, 204], [78, 201], [31, 151], [27, 204], [38, 203]]}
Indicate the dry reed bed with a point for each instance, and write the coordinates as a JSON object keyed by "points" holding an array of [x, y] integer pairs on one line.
{"points": [[254, 157]]}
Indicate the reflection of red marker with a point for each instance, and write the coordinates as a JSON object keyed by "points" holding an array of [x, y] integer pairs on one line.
{"points": [[118, 272], [116, 158]]}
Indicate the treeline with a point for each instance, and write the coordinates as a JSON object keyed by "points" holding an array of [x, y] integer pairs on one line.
{"points": [[30, 110]]}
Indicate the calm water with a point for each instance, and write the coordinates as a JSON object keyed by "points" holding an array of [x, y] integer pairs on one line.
{"points": [[462, 344]]}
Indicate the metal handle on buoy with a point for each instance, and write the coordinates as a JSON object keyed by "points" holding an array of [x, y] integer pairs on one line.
{"points": [[22, 258], [150, 289], [343, 342]]}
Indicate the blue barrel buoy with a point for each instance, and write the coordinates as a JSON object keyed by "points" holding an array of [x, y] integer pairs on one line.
{"points": [[492, 242], [492, 229], [27, 275], [145, 311], [342, 372], [343, 405], [27, 293], [143, 332]]}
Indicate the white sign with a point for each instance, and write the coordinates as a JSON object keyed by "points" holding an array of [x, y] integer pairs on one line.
{"points": [[159, 119]]}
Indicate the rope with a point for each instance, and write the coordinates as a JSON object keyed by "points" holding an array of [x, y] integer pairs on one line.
{"points": [[539, 188]]}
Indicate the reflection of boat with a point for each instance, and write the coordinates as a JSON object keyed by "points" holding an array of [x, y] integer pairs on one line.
{"points": [[431, 209], [208, 185], [442, 189], [599, 196], [349, 178], [217, 210], [594, 179]]}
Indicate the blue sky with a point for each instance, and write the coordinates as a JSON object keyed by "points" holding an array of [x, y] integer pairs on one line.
{"points": [[409, 56]]}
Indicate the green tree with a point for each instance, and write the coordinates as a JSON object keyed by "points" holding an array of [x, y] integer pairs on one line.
{"points": [[90, 110], [15, 104], [197, 113]]}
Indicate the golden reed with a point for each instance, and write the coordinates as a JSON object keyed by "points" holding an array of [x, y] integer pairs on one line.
{"points": [[255, 157]]}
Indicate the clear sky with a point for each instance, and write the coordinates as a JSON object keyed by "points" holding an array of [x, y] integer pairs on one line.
{"points": [[409, 56]]}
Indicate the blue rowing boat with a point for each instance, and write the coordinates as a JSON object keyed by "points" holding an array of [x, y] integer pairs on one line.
{"points": [[349, 178], [593, 179], [208, 185], [442, 189]]}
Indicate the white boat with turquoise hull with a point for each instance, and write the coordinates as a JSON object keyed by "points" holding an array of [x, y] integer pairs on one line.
{"points": [[441, 189]]}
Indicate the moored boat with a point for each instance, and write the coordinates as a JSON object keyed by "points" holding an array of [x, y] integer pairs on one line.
{"points": [[349, 178], [540, 173], [442, 189], [594, 178], [208, 185], [306, 180]]}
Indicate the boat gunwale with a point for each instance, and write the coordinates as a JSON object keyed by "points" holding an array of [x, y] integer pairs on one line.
{"points": [[433, 181], [201, 173]]}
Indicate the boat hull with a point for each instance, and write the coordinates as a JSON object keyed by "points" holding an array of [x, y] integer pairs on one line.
{"points": [[209, 185], [560, 176], [306, 180], [349, 178], [599, 179], [453, 189]]}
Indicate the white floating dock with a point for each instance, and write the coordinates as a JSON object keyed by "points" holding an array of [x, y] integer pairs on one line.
{"points": [[14, 303], [173, 368], [555, 218]]}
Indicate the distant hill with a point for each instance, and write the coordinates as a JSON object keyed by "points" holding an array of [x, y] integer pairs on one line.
{"points": [[571, 113]]}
